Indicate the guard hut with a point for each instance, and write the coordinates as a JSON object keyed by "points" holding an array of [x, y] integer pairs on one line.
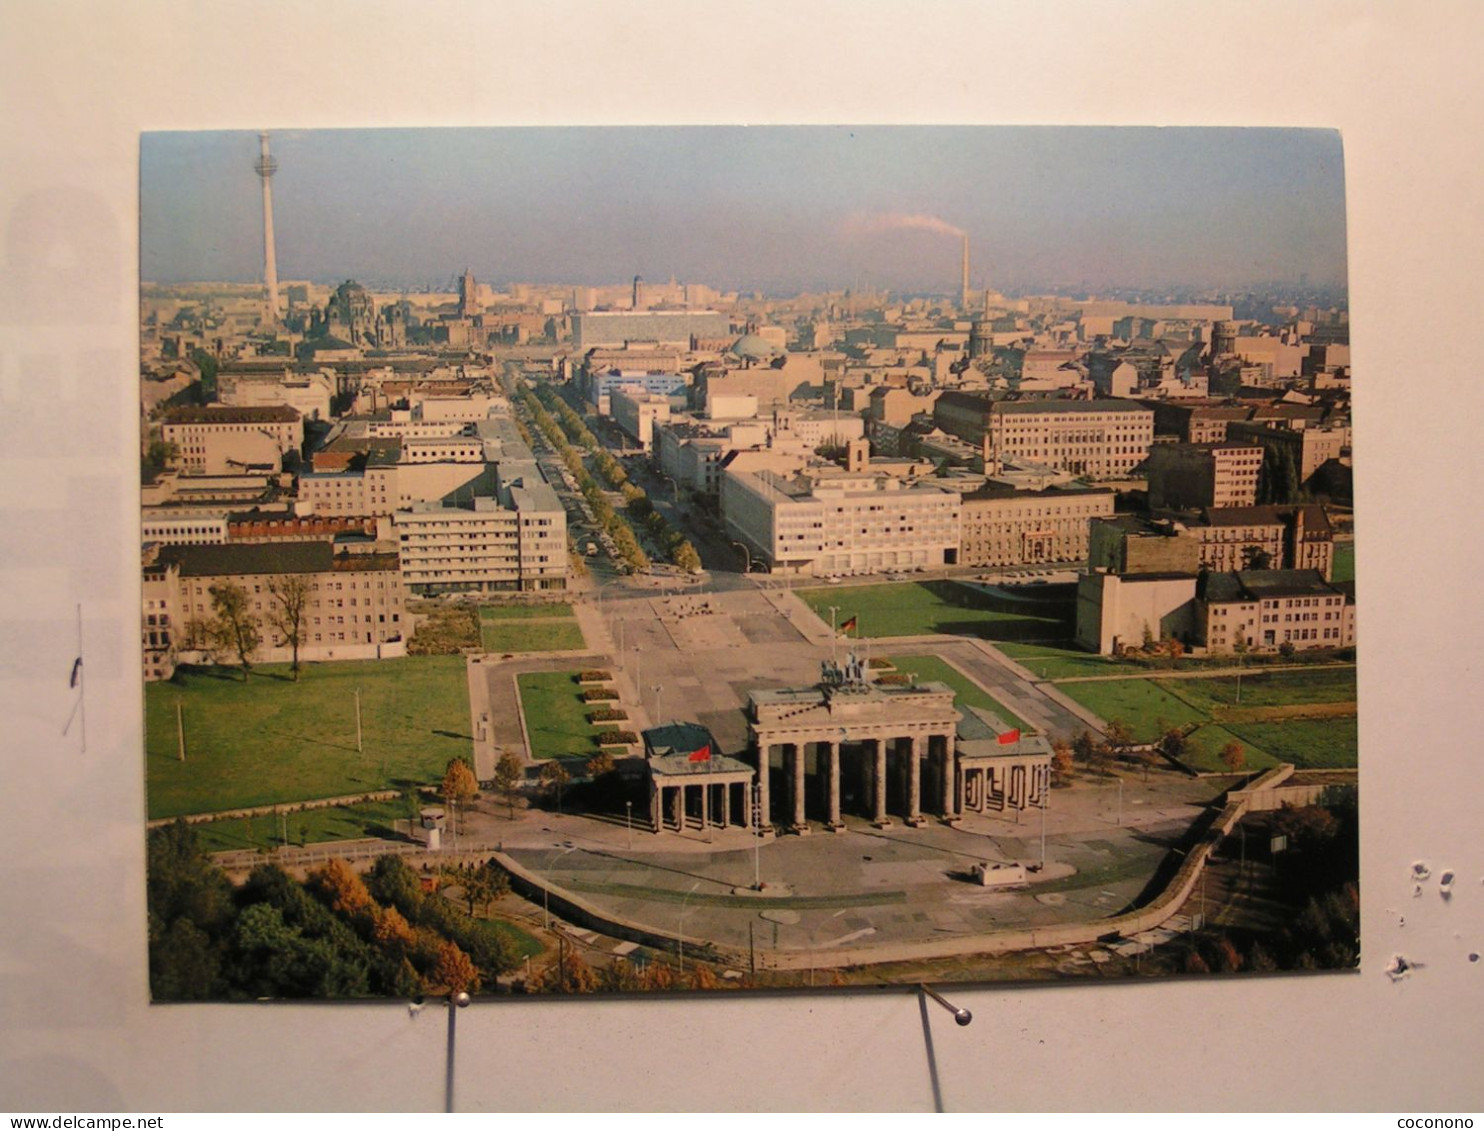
{"points": [[692, 784], [1000, 768], [870, 748]]}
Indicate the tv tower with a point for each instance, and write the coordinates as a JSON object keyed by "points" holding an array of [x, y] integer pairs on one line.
{"points": [[266, 167]]}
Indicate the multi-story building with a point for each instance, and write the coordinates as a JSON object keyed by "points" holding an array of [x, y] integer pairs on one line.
{"points": [[675, 328], [353, 607], [516, 539], [1267, 609], [1187, 476], [1130, 545], [1306, 449], [221, 440], [1272, 537], [309, 394], [1099, 438], [840, 522], [1003, 526], [638, 412], [1196, 422]]}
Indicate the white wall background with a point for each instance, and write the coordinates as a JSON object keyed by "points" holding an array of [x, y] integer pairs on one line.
{"points": [[81, 80]]}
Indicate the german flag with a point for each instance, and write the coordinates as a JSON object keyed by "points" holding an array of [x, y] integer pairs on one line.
{"points": [[848, 626]]}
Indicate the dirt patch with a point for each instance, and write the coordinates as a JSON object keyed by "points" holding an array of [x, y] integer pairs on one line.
{"points": [[1282, 712]]}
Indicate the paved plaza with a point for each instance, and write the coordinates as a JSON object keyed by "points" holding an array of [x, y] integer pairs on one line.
{"points": [[694, 653]]}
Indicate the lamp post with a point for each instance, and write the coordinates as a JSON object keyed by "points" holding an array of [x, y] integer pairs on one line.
{"points": [[746, 556], [546, 886], [658, 716], [1043, 827], [629, 822], [680, 927]]}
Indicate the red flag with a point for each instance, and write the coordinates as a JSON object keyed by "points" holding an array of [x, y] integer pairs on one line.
{"points": [[701, 755], [848, 626], [1010, 737]]}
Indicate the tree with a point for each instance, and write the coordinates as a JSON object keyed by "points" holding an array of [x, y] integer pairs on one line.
{"points": [[344, 891], [600, 765], [459, 784], [509, 773], [687, 558], [1118, 737], [453, 970], [1233, 757], [554, 777], [234, 628], [1255, 557], [1173, 743], [1063, 767], [291, 597]]}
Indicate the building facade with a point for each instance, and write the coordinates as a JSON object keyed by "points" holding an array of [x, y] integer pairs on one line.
{"points": [[354, 606], [841, 523], [221, 440], [1189, 476], [1100, 438], [1003, 526], [1268, 610]]}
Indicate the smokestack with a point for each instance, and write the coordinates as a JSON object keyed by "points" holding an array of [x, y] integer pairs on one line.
{"points": [[638, 290], [964, 294]]}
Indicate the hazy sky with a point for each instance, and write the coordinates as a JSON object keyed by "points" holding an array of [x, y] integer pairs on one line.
{"points": [[779, 209]]}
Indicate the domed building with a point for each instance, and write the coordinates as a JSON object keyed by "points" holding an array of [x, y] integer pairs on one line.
{"points": [[753, 349]]}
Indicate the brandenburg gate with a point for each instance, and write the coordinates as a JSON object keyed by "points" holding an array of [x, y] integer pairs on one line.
{"points": [[869, 747]]}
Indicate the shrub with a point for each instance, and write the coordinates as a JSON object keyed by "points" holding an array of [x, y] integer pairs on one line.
{"points": [[594, 675], [607, 715], [616, 737], [599, 694]]}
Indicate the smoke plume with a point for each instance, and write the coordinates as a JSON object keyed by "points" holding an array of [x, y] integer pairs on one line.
{"points": [[890, 221]]}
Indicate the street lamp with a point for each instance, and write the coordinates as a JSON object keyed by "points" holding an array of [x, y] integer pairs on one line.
{"points": [[546, 885], [629, 821], [658, 714], [746, 556], [680, 928]]}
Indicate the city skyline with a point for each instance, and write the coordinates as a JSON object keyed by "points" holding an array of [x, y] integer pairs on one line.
{"points": [[775, 209]]}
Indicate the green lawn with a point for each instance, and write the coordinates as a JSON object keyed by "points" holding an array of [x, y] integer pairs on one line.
{"points": [[556, 716], [271, 740], [522, 612], [920, 608], [1307, 743], [1343, 568], [1046, 661], [344, 822], [1266, 689], [1314, 744], [968, 692], [1205, 750], [1141, 703], [520, 635]]}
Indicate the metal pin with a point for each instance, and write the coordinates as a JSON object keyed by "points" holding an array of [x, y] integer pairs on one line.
{"points": [[961, 1015]]}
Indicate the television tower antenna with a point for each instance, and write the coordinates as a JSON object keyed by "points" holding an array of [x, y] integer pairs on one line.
{"points": [[265, 168]]}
